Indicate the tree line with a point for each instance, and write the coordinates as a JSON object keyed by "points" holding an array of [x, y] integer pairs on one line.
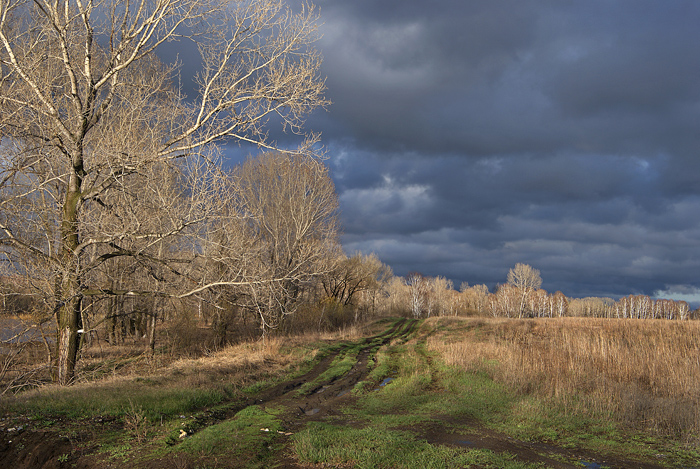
{"points": [[521, 296]]}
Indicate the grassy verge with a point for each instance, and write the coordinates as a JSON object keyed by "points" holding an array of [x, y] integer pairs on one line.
{"points": [[137, 417], [612, 386], [452, 377], [388, 422]]}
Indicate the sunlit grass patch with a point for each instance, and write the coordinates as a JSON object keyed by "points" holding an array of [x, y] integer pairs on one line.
{"points": [[420, 387], [377, 447], [181, 387], [247, 438], [338, 367], [117, 398]]}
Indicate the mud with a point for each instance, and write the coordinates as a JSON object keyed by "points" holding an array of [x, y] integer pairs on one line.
{"points": [[26, 449]]}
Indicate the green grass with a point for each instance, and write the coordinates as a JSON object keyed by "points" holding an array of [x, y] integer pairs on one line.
{"points": [[338, 367], [117, 400], [249, 438], [417, 394], [424, 390], [384, 427], [376, 447], [426, 394]]}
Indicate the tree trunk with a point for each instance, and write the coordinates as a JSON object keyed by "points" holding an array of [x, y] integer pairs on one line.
{"points": [[68, 342], [111, 322], [70, 300], [152, 331], [152, 321]]}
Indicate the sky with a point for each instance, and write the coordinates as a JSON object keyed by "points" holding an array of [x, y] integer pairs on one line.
{"points": [[467, 136]]}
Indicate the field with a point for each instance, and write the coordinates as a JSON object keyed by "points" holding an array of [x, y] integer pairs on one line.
{"points": [[642, 373], [442, 392]]}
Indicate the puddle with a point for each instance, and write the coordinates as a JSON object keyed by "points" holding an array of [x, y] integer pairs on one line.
{"points": [[465, 443], [383, 383], [590, 465], [313, 411], [386, 381]]}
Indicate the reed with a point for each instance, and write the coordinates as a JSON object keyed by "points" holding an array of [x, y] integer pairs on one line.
{"points": [[643, 373]]}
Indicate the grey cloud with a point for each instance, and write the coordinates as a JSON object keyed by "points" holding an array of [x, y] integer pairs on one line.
{"points": [[468, 136]]}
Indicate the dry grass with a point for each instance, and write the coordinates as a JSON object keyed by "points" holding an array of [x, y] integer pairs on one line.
{"points": [[144, 391], [106, 363], [181, 346], [643, 373]]}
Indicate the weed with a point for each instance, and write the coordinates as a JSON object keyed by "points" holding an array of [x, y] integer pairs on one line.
{"points": [[119, 452], [136, 422]]}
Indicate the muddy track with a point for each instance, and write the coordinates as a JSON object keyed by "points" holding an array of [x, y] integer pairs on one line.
{"points": [[318, 400], [311, 403], [324, 399], [22, 447], [321, 399], [326, 391]]}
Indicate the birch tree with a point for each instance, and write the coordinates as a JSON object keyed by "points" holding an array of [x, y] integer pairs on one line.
{"points": [[527, 280], [86, 107], [418, 287]]}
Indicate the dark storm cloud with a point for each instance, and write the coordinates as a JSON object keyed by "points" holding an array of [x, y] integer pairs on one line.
{"points": [[467, 136]]}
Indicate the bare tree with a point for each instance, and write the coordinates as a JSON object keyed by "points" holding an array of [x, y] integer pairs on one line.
{"points": [[398, 297], [86, 108], [440, 292], [351, 277], [559, 304], [277, 235], [474, 297], [506, 301], [418, 287], [525, 278]]}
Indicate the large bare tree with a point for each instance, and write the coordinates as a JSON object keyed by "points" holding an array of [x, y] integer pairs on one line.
{"points": [[277, 236], [90, 119]]}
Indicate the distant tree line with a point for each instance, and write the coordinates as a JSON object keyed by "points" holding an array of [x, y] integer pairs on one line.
{"points": [[521, 296]]}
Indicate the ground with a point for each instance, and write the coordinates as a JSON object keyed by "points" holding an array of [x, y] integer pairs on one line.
{"points": [[321, 395]]}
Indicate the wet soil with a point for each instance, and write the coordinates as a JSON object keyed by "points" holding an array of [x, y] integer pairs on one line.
{"points": [[25, 448]]}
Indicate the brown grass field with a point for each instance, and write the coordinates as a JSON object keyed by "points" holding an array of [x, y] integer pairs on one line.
{"points": [[642, 373]]}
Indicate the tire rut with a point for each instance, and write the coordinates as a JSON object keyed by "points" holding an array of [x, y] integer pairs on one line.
{"points": [[326, 396], [322, 398]]}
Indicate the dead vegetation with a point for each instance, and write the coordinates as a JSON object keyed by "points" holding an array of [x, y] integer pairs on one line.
{"points": [[189, 351], [642, 373]]}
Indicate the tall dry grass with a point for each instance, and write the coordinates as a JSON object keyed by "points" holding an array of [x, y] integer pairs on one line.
{"points": [[644, 373]]}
